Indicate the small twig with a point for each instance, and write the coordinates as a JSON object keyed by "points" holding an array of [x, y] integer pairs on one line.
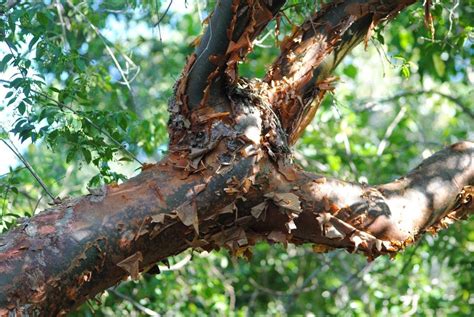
{"points": [[251, 304], [91, 307], [259, 42], [177, 266], [291, 292], [109, 50], [60, 8], [351, 277], [227, 285], [407, 263], [347, 145], [382, 54], [451, 15], [455, 100], [29, 167], [62, 105], [5, 196], [9, 173], [291, 300], [390, 130], [266, 289], [140, 307], [37, 204], [347, 148], [164, 14]]}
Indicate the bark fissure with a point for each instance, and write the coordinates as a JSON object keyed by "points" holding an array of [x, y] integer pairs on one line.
{"points": [[229, 180]]}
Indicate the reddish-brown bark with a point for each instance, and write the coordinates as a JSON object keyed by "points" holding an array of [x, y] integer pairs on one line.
{"points": [[299, 78], [229, 180]]}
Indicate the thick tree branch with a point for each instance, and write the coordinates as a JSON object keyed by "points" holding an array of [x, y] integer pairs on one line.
{"points": [[53, 262], [228, 39], [201, 94], [300, 76], [228, 181], [385, 218]]}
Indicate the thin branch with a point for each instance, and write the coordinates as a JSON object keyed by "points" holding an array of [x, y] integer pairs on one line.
{"points": [[390, 129], [9, 173], [451, 17], [164, 14], [456, 100], [30, 168], [291, 300], [60, 9], [98, 128], [136, 304], [227, 285], [364, 269], [36, 205], [177, 266], [5, 196], [353, 276], [410, 258], [109, 51], [61, 105]]}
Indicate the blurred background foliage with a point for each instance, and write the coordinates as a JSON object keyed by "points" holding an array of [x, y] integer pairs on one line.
{"points": [[84, 99]]}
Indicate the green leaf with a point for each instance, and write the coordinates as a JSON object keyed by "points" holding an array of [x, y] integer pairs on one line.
{"points": [[9, 94], [439, 65], [42, 18], [87, 155], [17, 82], [4, 62], [21, 107], [70, 155], [12, 100], [350, 71], [33, 42], [405, 70]]}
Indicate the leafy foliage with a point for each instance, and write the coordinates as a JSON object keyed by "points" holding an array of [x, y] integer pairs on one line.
{"points": [[86, 87]]}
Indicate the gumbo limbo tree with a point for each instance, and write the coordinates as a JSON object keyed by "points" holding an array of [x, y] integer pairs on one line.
{"points": [[229, 179]]}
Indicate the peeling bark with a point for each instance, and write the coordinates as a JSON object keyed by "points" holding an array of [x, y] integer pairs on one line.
{"points": [[300, 77], [386, 218], [229, 180]]}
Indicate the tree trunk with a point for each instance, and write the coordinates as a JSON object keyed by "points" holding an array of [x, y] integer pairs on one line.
{"points": [[229, 180]]}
